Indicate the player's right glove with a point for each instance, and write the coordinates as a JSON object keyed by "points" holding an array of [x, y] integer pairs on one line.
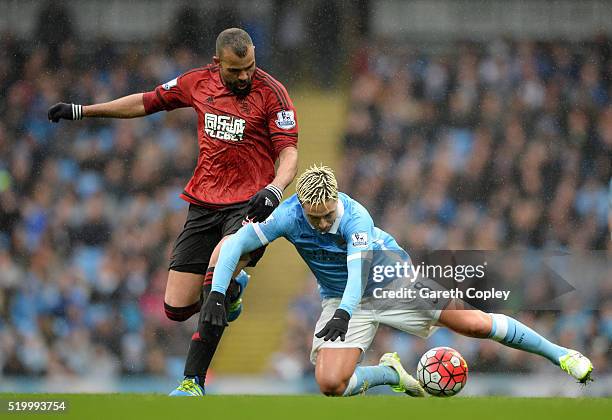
{"points": [[335, 327], [214, 310], [263, 203], [65, 111]]}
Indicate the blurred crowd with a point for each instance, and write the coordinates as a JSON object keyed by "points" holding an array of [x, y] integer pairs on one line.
{"points": [[494, 146]]}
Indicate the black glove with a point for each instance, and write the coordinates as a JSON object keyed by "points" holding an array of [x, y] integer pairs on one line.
{"points": [[214, 309], [262, 204], [335, 327], [65, 111]]}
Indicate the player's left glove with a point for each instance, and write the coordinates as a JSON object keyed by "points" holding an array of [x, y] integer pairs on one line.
{"points": [[214, 310], [262, 204], [335, 327]]}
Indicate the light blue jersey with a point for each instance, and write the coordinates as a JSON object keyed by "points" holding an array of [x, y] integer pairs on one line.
{"points": [[335, 257]]}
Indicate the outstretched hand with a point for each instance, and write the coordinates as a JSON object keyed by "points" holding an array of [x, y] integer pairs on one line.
{"points": [[65, 111]]}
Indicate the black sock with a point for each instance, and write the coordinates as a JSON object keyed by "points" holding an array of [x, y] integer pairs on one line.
{"points": [[205, 340], [202, 349], [233, 290]]}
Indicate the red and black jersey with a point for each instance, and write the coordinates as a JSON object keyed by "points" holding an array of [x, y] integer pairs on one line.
{"points": [[239, 137]]}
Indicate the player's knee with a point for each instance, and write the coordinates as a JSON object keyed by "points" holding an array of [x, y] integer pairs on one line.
{"points": [[181, 313], [477, 325], [332, 386]]}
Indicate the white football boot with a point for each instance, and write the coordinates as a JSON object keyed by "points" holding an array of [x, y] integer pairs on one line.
{"points": [[577, 366]]}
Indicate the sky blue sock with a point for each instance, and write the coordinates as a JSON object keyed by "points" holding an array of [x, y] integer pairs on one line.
{"points": [[517, 335], [368, 376]]}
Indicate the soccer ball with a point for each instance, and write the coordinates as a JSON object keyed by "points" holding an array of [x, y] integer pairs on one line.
{"points": [[442, 372]]}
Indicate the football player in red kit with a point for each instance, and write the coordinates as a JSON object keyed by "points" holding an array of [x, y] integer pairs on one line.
{"points": [[246, 122]]}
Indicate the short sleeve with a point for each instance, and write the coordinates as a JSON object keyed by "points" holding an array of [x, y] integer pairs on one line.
{"points": [[173, 94], [282, 118]]}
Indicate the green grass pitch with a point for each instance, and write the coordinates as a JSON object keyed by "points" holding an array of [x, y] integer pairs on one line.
{"points": [[148, 406]]}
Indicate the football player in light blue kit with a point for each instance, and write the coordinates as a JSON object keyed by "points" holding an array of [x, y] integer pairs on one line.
{"points": [[331, 231]]}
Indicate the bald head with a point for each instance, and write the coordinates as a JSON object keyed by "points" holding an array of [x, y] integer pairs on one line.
{"points": [[236, 39]]}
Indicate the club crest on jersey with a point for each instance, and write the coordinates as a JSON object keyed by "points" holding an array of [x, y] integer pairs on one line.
{"points": [[224, 127], [170, 84], [286, 120], [359, 239]]}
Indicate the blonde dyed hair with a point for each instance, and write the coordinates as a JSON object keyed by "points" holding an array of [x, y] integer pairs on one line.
{"points": [[317, 185]]}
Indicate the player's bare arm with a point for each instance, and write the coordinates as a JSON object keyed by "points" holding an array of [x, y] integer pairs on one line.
{"points": [[130, 106], [287, 167]]}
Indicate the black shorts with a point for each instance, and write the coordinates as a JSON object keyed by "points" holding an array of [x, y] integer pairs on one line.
{"points": [[202, 232]]}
